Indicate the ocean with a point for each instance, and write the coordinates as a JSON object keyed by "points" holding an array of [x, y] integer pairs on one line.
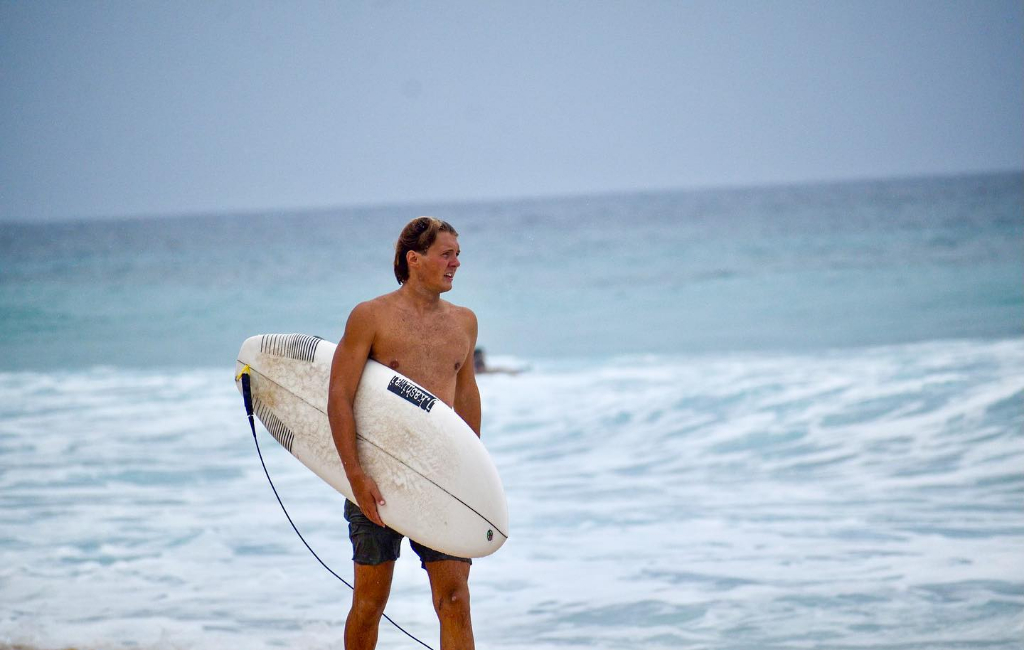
{"points": [[765, 418]]}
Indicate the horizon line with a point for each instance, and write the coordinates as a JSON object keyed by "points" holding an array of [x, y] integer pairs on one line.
{"points": [[523, 198]]}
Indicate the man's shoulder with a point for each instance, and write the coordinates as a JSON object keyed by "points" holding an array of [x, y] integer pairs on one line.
{"points": [[374, 306], [465, 314], [366, 315], [457, 309]]}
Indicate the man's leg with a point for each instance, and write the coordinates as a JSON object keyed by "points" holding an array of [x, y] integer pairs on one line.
{"points": [[370, 595], [374, 551], [449, 586]]}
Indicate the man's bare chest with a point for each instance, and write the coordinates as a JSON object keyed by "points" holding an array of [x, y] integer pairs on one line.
{"points": [[426, 350]]}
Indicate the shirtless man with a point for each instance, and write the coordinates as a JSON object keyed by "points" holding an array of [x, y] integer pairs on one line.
{"points": [[431, 341]]}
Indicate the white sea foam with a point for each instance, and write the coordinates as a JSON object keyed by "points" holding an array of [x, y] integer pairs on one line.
{"points": [[862, 498]]}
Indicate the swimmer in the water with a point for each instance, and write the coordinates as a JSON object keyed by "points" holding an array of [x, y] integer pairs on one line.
{"points": [[480, 364]]}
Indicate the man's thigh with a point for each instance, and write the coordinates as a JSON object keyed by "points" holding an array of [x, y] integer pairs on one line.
{"points": [[371, 544], [372, 584], [428, 555]]}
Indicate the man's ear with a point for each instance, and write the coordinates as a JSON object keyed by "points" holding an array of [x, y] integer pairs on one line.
{"points": [[411, 257]]}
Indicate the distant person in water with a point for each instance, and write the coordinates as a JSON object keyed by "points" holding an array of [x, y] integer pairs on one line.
{"points": [[480, 364]]}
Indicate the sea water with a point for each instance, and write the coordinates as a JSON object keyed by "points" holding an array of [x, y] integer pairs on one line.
{"points": [[766, 418]]}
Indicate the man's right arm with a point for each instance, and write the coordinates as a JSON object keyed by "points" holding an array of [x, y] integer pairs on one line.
{"points": [[346, 371]]}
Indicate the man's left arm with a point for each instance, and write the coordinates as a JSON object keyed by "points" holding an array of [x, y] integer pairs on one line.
{"points": [[467, 395]]}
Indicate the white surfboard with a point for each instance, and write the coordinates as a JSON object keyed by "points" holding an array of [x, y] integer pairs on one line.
{"points": [[440, 484]]}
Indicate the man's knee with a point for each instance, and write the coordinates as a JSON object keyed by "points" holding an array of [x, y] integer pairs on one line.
{"points": [[368, 607], [372, 587], [453, 603]]}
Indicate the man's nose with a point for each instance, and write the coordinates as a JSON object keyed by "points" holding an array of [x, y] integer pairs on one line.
{"points": [[456, 263]]}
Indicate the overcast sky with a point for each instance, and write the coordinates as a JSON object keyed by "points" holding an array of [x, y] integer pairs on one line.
{"points": [[125, 108]]}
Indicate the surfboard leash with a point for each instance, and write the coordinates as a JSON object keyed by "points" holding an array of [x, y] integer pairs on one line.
{"points": [[247, 398]]}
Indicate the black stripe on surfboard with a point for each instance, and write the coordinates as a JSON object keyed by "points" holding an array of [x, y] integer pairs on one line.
{"points": [[301, 347], [278, 429], [412, 469]]}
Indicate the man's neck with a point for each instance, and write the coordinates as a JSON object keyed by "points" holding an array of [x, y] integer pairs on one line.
{"points": [[421, 298]]}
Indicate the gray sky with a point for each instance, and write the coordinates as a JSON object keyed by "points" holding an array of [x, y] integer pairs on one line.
{"points": [[123, 108]]}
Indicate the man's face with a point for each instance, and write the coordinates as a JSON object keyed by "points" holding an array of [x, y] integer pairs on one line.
{"points": [[438, 264]]}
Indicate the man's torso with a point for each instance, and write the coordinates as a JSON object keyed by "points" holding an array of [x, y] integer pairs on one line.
{"points": [[428, 348]]}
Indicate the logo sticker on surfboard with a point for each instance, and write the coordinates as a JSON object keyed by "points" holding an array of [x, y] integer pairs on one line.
{"points": [[411, 393]]}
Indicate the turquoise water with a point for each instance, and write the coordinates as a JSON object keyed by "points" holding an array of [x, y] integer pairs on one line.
{"points": [[774, 269], [771, 418]]}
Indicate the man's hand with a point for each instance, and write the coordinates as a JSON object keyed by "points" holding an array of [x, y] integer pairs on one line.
{"points": [[367, 497]]}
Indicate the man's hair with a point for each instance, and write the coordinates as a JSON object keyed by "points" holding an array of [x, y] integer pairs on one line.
{"points": [[418, 235]]}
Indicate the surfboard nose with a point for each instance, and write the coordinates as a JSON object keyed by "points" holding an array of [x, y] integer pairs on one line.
{"points": [[246, 354]]}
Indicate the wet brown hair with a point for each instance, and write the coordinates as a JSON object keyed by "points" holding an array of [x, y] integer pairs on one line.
{"points": [[418, 235]]}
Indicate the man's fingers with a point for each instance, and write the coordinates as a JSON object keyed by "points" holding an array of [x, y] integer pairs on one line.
{"points": [[372, 514], [376, 500], [369, 508]]}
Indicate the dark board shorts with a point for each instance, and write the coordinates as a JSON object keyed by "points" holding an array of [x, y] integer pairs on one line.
{"points": [[373, 544]]}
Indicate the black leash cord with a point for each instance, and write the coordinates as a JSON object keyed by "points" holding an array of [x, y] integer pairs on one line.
{"points": [[247, 397]]}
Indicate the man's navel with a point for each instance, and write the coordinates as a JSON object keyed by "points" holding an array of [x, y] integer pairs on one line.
{"points": [[394, 364]]}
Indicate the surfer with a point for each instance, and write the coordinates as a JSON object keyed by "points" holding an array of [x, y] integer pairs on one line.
{"points": [[481, 366], [431, 341]]}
